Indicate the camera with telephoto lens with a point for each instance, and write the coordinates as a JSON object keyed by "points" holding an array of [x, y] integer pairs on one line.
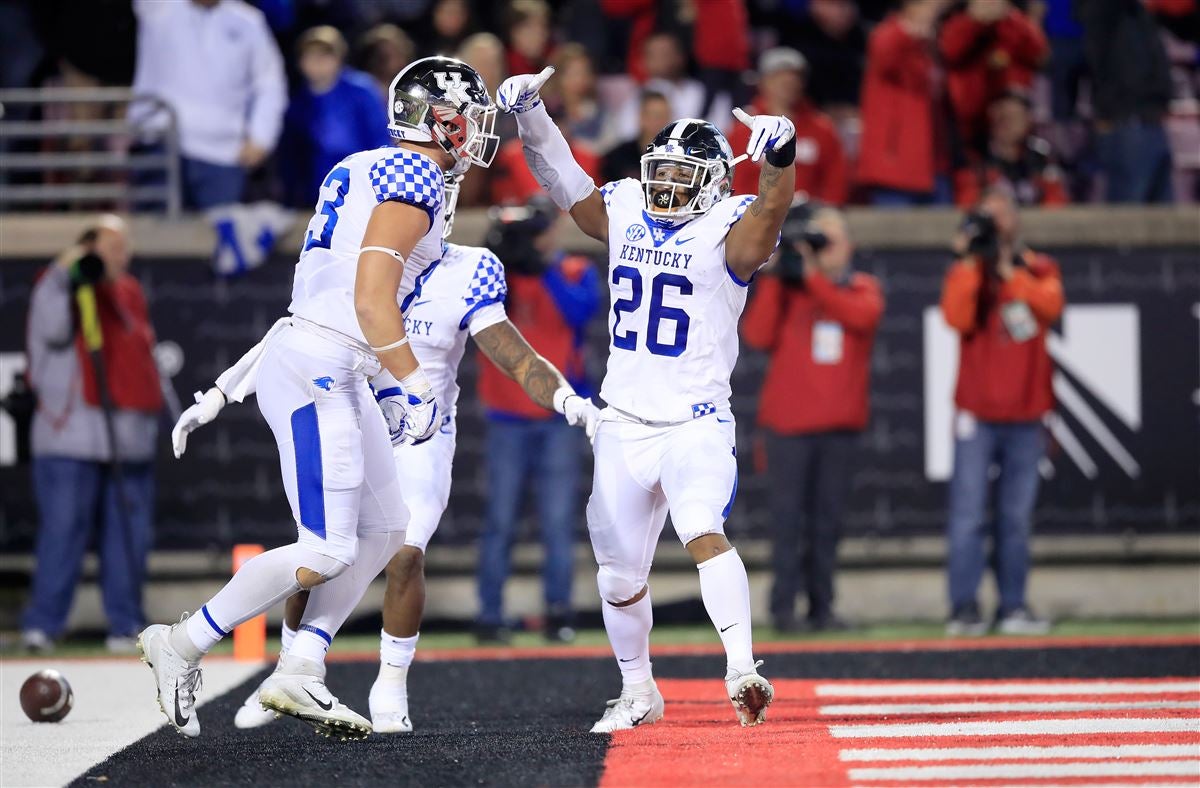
{"points": [[513, 233], [983, 237], [798, 229]]}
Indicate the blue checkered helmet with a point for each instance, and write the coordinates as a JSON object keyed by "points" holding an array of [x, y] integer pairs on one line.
{"points": [[686, 169], [444, 100]]}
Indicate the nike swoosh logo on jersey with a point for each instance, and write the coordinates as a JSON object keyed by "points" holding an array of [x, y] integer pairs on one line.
{"points": [[329, 705], [682, 241], [731, 626], [414, 306], [180, 720], [724, 421]]}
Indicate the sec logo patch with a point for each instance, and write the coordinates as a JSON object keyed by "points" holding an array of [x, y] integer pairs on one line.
{"points": [[635, 232]]}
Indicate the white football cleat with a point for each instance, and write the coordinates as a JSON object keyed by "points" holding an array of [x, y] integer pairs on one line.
{"points": [[178, 680], [750, 695], [389, 705], [297, 688], [252, 714], [631, 709]]}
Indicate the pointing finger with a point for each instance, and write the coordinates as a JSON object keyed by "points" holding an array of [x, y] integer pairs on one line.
{"points": [[541, 78], [745, 118]]}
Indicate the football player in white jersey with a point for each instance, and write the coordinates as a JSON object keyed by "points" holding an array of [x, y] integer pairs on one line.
{"points": [[682, 252], [464, 294], [376, 233]]}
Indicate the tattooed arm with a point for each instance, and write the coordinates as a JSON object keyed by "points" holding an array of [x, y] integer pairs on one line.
{"points": [[508, 350], [752, 240]]}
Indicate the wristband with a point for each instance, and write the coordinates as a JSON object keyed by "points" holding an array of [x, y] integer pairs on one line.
{"points": [[784, 156], [561, 396]]}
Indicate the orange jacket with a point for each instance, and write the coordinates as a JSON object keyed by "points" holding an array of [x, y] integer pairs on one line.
{"points": [[999, 378]]}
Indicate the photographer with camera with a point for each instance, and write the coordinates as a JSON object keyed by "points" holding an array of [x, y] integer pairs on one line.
{"points": [[551, 297], [1001, 297], [92, 369], [817, 319]]}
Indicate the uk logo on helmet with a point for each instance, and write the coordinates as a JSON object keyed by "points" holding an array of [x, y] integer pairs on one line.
{"points": [[635, 232], [452, 83]]}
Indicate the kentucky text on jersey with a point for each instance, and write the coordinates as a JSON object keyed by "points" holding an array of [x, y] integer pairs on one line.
{"points": [[637, 254]]}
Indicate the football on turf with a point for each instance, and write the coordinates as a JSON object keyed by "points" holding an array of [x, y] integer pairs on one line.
{"points": [[46, 696]]}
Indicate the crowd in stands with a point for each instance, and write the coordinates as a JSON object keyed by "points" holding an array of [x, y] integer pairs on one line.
{"points": [[896, 102]]}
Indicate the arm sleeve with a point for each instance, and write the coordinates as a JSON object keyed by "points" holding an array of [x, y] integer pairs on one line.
{"points": [[241, 380], [51, 320], [960, 296], [550, 159], [269, 88], [576, 300], [760, 327], [410, 178], [858, 307], [1041, 288], [488, 288]]}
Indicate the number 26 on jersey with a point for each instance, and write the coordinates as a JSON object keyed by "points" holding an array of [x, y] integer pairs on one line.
{"points": [[627, 339]]}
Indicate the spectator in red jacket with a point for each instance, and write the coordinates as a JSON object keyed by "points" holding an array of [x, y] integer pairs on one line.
{"points": [[989, 48], [903, 154], [1001, 297], [551, 297], [528, 36], [821, 170], [1014, 157], [817, 319]]}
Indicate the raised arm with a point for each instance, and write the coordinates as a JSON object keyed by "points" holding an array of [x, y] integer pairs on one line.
{"points": [[549, 156], [752, 240], [504, 345]]}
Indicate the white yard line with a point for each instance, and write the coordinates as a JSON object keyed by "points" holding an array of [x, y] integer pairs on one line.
{"points": [[1017, 728], [910, 689], [114, 707], [1019, 753], [848, 709], [1014, 771]]}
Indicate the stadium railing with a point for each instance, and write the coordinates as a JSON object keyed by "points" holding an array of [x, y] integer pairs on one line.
{"points": [[32, 119]]}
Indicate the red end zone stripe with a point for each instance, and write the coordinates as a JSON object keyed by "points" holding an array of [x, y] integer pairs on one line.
{"points": [[699, 741]]}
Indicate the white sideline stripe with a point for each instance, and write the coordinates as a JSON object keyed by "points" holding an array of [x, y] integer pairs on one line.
{"points": [[910, 689], [1018, 753], [1018, 728], [1010, 771], [1012, 706]]}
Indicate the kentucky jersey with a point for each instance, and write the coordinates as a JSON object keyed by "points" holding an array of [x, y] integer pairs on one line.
{"points": [[323, 289], [464, 293], [673, 320]]}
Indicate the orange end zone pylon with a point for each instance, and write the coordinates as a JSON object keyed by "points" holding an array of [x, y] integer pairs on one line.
{"points": [[250, 637]]}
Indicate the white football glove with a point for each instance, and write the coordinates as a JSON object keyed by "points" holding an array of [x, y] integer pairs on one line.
{"points": [[579, 411], [520, 93], [766, 132], [207, 406], [409, 407]]}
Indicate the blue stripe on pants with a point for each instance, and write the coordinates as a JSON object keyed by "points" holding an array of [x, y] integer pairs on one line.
{"points": [[733, 494], [310, 479]]}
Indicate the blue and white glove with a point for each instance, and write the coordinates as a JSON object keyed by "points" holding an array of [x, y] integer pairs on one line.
{"points": [[409, 407], [520, 93], [771, 135]]}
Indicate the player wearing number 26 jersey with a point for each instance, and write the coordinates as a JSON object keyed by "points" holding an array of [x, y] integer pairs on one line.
{"points": [[682, 252]]}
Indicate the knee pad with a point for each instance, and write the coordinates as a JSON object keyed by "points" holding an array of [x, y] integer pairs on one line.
{"points": [[324, 566], [693, 519], [618, 586]]}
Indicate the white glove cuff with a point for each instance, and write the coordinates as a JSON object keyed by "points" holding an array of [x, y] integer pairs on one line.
{"points": [[416, 382], [549, 158], [384, 380], [561, 396]]}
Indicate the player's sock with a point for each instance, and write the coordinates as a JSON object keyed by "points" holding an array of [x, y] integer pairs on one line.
{"points": [[395, 655], [331, 603], [628, 631], [261, 583], [725, 590], [286, 636]]}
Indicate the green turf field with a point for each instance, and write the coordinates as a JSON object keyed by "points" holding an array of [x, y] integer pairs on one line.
{"points": [[687, 634]]}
